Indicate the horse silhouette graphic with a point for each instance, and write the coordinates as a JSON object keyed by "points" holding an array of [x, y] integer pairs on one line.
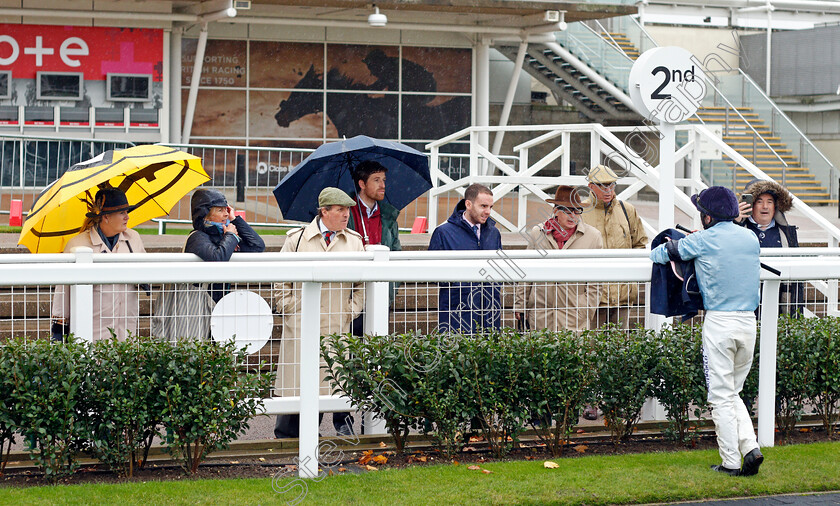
{"points": [[375, 115]]}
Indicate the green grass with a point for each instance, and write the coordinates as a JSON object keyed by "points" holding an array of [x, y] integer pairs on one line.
{"points": [[5, 229], [640, 478]]}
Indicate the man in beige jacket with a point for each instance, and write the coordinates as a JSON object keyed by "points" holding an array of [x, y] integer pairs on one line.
{"points": [[556, 306], [621, 228], [340, 302]]}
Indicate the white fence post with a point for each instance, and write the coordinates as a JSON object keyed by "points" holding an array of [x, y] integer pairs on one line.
{"points": [[377, 295], [310, 359], [431, 212], [81, 300], [767, 362]]}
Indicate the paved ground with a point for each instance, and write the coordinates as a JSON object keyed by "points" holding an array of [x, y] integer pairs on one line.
{"points": [[806, 499]]}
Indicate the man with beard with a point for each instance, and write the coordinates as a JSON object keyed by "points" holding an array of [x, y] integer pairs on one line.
{"points": [[469, 307]]}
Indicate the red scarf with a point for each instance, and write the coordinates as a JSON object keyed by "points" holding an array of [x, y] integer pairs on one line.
{"points": [[372, 225], [561, 236]]}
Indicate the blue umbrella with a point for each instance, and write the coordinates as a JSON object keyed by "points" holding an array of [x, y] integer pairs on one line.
{"points": [[331, 165]]}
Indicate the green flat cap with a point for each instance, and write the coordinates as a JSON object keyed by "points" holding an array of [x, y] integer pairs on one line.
{"points": [[330, 196], [601, 174]]}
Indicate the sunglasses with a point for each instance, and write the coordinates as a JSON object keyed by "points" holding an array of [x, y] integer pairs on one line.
{"points": [[569, 210]]}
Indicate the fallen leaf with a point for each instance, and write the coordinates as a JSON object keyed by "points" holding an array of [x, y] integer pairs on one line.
{"points": [[422, 458], [581, 448], [371, 468], [804, 429], [234, 462], [342, 469], [474, 468], [262, 459], [389, 453], [581, 431], [366, 457], [476, 439], [330, 473], [380, 459], [469, 449], [382, 444], [455, 463], [550, 465], [486, 471], [529, 457]]}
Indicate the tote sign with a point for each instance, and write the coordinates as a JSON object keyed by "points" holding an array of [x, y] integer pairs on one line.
{"points": [[667, 84]]}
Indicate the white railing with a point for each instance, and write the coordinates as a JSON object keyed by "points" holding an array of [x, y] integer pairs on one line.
{"points": [[605, 145], [82, 270]]}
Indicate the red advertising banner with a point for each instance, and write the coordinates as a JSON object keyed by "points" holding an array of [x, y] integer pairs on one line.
{"points": [[95, 51]]}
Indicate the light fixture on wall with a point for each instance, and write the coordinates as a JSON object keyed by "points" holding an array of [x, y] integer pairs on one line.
{"points": [[377, 19]]}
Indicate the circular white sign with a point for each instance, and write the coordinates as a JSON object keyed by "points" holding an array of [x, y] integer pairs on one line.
{"points": [[242, 317], [667, 84]]}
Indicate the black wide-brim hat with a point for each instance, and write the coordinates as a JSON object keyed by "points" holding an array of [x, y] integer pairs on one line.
{"points": [[114, 201]]}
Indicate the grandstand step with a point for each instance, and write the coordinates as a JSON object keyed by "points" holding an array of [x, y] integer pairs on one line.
{"points": [[819, 202], [770, 139], [761, 148]]}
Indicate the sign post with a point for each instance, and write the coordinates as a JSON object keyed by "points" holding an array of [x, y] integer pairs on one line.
{"points": [[667, 85]]}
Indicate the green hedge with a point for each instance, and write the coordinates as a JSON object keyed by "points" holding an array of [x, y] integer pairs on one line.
{"points": [[501, 382], [111, 398]]}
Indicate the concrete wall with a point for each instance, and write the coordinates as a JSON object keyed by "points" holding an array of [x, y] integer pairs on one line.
{"points": [[702, 42]]}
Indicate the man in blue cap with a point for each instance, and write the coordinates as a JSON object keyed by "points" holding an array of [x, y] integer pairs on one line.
{"points": [[726, 261]]}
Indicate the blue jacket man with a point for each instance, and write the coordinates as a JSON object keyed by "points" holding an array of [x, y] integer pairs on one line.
{"points": [[468, 307], [726, 260]]}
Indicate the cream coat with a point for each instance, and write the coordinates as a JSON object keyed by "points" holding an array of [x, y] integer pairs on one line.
{"points": [[556, 306], [340, 304], [115, 306], [618, 232]]}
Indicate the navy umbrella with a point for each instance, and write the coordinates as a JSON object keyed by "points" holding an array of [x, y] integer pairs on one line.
{"points": [[332, 165]]}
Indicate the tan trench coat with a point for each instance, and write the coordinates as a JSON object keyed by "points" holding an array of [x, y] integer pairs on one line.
{"points": [[556, 306], [340, 304], [115, 306], [618, 232]]}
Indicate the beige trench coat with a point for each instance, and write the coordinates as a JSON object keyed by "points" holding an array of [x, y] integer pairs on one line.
{"points": [[618, 232], [115, 306], [556, 306], [340, 304]]}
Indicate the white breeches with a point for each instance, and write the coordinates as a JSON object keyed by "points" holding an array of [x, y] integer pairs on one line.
{"points": [[728, 343]]}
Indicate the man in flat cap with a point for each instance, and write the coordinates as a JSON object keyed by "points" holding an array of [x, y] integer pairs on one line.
{"points": [[620, 228], [340, 302]]}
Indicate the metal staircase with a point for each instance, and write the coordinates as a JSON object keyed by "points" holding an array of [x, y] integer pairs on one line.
{"points": [[570, 85], [747, 132], [751, 137], [589, 69]]}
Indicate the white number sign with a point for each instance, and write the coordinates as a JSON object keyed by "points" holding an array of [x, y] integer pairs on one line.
{"points": [[667, 84]]}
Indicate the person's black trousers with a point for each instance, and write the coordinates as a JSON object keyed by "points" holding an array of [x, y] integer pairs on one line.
{"points": [[288, 426]]}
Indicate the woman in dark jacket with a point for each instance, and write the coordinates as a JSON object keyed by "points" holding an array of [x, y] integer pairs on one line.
{"points": [[216, 236], [766, 218]]}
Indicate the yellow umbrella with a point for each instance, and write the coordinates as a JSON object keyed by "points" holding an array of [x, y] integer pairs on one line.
{"points": [[154, 178]]}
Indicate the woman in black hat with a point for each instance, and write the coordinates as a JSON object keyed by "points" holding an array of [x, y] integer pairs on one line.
{"points": [[105, 230]]}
